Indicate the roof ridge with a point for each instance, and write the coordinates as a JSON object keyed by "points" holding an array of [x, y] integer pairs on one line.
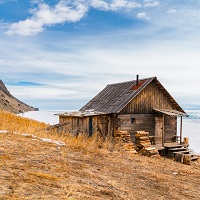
{"points": [[133, 80]]}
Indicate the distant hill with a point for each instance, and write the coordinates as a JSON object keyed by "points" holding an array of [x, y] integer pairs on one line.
{"points": [[11, 104]]}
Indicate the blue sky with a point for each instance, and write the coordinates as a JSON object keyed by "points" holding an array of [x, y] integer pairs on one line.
{"points": [[58, 54]]}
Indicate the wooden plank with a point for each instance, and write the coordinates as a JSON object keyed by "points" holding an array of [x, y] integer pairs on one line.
{"points": [[178, 149], [170, 145]]}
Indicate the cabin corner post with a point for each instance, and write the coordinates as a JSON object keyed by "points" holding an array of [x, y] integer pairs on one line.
{"points": [[181, 127], [163, 131]]}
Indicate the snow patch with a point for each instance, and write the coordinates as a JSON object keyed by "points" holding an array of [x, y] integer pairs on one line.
{"points": [[36, 138], [59, 143], [4, 131]]}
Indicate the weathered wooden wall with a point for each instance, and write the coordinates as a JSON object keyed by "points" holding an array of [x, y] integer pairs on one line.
{"points": [[74, 123], [149, 98], [146, 122], [136, 122], [102, 124], [107, 124]]}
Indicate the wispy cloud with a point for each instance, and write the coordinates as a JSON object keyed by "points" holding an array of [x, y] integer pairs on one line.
{"points": [[60, 75], [150, 3], [123, 4], [3, 25], [99, 4], [113, 4], [143, 16], [171, 11]]}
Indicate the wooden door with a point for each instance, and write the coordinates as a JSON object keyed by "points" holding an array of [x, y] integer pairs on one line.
{"points": [[103, 125], [158, 129]]}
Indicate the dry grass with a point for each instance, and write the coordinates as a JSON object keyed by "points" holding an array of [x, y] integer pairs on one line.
{"points": [[14, 123], [32, 169], [20, 125]]}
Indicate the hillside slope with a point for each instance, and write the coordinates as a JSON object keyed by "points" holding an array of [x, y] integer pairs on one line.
{"points": [[9, 103], [31, 168]]}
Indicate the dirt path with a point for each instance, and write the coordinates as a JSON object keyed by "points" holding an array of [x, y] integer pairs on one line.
{"points": [[30, 169]]}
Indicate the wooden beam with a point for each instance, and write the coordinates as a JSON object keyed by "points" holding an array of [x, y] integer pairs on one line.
{"points": [[181, 126]]}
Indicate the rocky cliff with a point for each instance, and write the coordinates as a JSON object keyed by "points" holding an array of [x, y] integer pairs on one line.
{"points": [[9, 103]]}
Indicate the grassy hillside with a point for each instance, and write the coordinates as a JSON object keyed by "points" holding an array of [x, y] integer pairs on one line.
{"points": [[14, 123], [31, 168]]}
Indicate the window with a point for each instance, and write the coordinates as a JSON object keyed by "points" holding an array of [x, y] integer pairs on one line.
{"points": [[133, 121]]}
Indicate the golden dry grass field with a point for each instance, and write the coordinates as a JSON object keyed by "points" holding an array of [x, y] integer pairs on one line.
{"points": [[85, 168]]}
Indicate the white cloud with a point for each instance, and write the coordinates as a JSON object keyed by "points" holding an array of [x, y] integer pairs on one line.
{"points": [[65, 11], [143, 16], [99, 4], [150, 3], [44, 16], [48, 90], [27, 27], [172, 11], [116, 4]]}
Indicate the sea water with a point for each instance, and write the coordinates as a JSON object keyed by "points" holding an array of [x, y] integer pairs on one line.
{"points": [[191, 129]]}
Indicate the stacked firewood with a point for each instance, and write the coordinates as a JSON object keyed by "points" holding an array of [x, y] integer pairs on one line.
{"points": [[124, 137], [143, 144], [129, 147]]}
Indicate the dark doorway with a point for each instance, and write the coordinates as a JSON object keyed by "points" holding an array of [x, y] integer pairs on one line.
{"points": [[90, 127]]}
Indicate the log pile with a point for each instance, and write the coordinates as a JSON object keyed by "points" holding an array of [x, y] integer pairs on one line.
{"points": [[129, 147], [143, 144], [124, 137]]}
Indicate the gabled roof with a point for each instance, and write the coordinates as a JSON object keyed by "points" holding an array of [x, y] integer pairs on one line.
{"points": [[114, 97]]}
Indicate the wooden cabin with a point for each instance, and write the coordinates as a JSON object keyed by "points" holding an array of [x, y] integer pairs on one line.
{"points": [[137, 105]]}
